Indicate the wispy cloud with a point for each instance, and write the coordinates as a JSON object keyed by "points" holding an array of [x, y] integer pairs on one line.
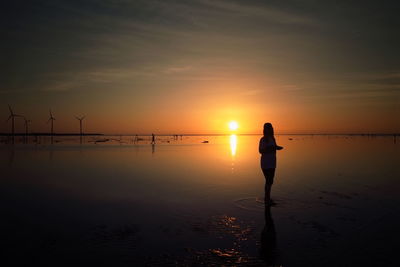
{"points": [[291, 88], [177, 69], [252, 92], [270, 13]]}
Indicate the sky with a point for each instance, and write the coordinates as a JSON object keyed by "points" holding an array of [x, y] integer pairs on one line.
{"points": [[185, 67]]}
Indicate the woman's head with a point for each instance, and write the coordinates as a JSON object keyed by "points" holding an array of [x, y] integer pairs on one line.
{"points": [[268, 129]]}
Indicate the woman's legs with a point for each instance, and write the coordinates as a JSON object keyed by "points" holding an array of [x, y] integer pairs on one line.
{"points": [[269, 180], [267, 193]]}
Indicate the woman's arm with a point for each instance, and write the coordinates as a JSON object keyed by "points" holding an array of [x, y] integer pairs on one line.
{"points": [[267, 148]]}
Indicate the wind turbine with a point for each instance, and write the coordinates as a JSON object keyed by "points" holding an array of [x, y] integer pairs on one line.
{"points": [[26, 125], [80, 123], [51, 119], [26, 128], [12, 117]]}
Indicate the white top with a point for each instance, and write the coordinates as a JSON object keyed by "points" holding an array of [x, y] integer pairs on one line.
{"points": [[268, 160]]}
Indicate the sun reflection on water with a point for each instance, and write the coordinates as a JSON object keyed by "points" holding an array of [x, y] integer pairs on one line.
{"points": [[233, 143]]}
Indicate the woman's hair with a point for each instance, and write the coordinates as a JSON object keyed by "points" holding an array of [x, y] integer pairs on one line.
{"points": [[268, 129]]}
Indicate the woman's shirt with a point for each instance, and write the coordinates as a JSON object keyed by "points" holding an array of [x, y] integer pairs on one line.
{"points": [[268, 159]]}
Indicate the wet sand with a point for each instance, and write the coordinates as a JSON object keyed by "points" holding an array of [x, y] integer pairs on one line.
{"points": [[188, 203]]}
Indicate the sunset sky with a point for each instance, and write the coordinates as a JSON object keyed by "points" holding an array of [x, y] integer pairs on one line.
{"points": [[145, 66]]}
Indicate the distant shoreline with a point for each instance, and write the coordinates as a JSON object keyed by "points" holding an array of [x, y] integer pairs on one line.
{"points": [[49, 134], [284, 134]]}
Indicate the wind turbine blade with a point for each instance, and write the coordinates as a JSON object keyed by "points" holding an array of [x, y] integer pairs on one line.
{"points": [[48, 120], [83, 117], [51, 115], [9, 107], [9, 118]]}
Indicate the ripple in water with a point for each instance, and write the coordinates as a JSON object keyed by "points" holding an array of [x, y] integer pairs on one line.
{"points": [[254, 203], [250, 203]]}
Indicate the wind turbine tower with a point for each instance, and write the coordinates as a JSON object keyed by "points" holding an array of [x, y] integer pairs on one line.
{"points": [[26, 121], [12, 117], [80, 123], [51, 119], [26, 125]]}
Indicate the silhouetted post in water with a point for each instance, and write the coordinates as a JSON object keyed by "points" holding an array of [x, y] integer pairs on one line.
{"points": [[153, 139], [80, 126], [51, 119], [26, 129], [267, 149], [136, 139], [269, 251], [12, 117]]}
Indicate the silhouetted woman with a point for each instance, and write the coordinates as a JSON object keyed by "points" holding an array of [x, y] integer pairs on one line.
{"points": [[267, 149]]}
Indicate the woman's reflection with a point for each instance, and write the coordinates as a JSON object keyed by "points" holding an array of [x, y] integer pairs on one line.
{"points": [[269, 251]]}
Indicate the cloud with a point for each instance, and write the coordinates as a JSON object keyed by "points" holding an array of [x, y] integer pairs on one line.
{"points": [[252, 92], [177, 69], [270, 13], [291, 88]]}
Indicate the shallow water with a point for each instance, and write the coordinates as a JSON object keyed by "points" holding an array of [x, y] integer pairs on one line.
{"points": [[184, 202]]}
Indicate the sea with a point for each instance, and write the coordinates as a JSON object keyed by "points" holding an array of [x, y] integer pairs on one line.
{"points": [[199, 201]]}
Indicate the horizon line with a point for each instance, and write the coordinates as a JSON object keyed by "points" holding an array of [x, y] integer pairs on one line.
{"points": [[192, 134]]}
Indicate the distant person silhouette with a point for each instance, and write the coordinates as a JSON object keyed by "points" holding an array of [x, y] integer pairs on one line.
{"points": [[267, 149], [153, 139]]}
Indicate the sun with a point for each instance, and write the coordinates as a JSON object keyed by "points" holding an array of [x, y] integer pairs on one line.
{"points": [[233, 125]]}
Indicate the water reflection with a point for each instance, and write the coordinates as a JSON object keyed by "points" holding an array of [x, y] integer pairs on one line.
{"points": [[51, 154], [269, 252], [11, 156], [108, 187], [233, 143]]}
